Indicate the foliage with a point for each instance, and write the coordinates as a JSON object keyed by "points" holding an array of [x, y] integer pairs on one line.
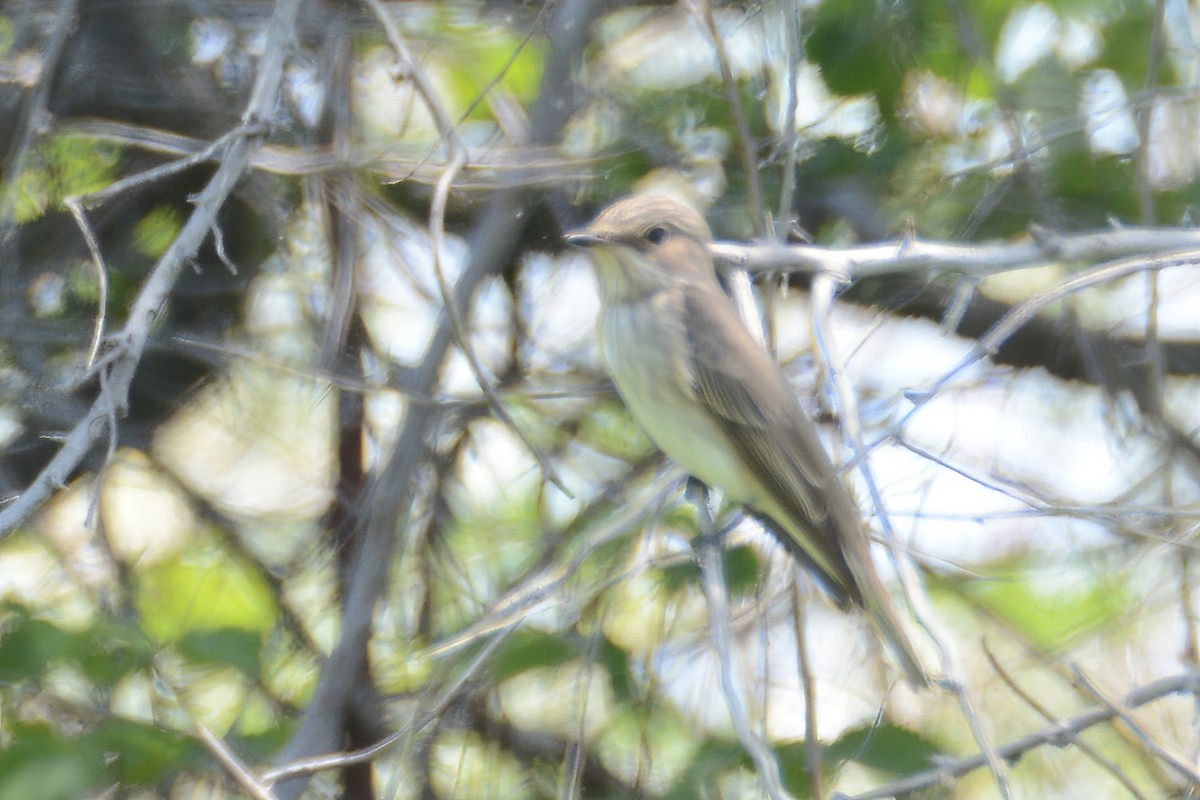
{"points": [[531, 641]]}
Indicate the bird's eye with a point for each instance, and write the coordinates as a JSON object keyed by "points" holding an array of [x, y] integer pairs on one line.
{"points": [[656, 235]]}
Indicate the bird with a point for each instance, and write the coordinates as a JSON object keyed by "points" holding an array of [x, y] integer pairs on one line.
{"points": [[712, 398]]}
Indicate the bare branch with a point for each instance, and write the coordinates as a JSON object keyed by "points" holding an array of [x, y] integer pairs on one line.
{"points": [[89, 236], [812, 733], [459, 158], [1185, 683], [421, 721], [1121, 711], [1076, 741], [990, 342], [914, 255], [234, 765], [702, 9], [391, 491], [157, 288], [712, 579], [489, 167]]}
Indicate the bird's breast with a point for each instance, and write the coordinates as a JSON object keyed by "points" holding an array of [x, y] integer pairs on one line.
{"points": [[644, 347]]}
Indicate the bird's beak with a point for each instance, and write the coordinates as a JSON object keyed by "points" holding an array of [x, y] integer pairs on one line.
{"points": [[583, 239]]}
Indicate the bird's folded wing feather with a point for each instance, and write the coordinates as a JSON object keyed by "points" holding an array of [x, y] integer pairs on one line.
{"points": [[741, 385]]}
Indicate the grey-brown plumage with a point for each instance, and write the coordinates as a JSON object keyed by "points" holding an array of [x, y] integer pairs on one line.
{"points": [[715, 401]]}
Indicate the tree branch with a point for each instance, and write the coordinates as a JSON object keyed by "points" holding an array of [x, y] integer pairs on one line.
{"points": [[914, 255], [131, 342], [1057, 734], [492, 245]]}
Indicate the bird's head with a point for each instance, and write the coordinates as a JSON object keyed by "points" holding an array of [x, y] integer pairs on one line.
{"points": [[645, 243]]}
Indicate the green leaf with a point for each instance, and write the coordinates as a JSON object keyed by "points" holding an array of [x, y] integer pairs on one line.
{"points": [[234, 646], [525, 650], [155, 231], [62, 166], [886, 747], [114, 649], [8, 35], [742, 569], [1096, 189], [793, 768], [1054, 621], [866, 46], [1127, 47], [616, 664], [713, 758], [680, 577], [489, 54], [39, 763], [28, 645], [263, 746], [618, 172], [209, 588], [143, 754], [611, 430], [106, 652]]}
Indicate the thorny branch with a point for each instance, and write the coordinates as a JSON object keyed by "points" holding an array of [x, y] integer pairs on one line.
{"points": [[978, 260]]}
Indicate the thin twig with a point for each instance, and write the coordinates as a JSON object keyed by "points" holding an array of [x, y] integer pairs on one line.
{"points": [[234, 765], [575, 753], [822, 314], [1056, 734], [212, 151], [1145, 192], [793, 38], [89, 236], [156, 290], [34, 114], [309, 766], [738, 281], [712, 579], [527, 391], [1089, 751], [1144, 115], [459, 157], [1191, 649], [703, 10], [822, 299], [490, 167], [1121, 711], [1011, 322], [813, 759]]}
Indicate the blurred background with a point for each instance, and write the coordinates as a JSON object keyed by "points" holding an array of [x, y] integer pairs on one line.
{"points": [[314, 508]]}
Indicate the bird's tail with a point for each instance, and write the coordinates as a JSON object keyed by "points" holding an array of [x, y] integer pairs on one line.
{"points": [[853, 583], [878, 605]]}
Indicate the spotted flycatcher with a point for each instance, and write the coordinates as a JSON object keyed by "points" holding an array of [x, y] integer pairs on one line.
{"points": [[716, 402]]}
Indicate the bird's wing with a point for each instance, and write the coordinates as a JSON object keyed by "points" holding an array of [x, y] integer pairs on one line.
{"points": [[812, 511], [743, 387]]}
